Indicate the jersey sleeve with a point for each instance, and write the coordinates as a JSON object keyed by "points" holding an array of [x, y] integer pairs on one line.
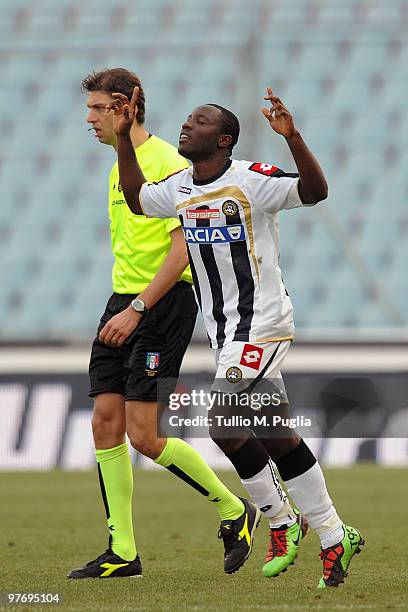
{"points": [[110, 190], [172, 164], [271, 188], [171, 224], [159, 199]]}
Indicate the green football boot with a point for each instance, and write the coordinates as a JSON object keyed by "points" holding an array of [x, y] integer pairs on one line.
{"points": [[336, 559], [283, 546]]}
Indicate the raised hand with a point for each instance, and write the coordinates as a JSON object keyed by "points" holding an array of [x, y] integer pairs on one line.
{"points": [[279, 117], [124, 112]]}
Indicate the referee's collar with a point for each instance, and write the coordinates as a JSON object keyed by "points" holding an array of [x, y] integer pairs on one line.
{"points": [[145, 142], [215, 177]]}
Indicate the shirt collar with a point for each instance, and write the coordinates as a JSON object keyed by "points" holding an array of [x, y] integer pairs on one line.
{"points": [[215, 177]]}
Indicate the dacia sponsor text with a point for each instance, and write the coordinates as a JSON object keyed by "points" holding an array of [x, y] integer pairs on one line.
{"points": [[214, 235]]}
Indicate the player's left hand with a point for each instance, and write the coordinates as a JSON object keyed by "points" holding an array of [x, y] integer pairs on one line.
{"points": [[119, 327], [124, 112], [280, 119]]}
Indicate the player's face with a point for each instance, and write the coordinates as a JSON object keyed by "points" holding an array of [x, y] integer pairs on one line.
{"points": [[100, 118], [200, 133]]}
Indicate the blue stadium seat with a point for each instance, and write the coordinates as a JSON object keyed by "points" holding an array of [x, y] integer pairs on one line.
{"points": [[321, 132], [69, 71], [398, 69], [395, 93], [351, 93], [317, 60], [366, 61], [371, 130], [20, 68], [31, 139], [336, 15]]}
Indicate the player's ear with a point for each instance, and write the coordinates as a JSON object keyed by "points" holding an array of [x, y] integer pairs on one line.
{"points": [[224, 141]]}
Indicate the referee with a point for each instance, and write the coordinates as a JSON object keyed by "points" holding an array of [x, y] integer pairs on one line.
{"points": [[152, 297]]}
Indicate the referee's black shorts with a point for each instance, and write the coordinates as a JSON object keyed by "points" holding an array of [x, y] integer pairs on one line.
{"points": [[154, 350]]}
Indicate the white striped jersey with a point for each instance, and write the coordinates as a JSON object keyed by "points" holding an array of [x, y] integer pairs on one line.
{"points": [[231, 229]]}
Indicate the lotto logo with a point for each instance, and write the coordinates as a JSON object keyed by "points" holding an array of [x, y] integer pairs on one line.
{"points": [[251, 356], [183, 189], [262, 168]]}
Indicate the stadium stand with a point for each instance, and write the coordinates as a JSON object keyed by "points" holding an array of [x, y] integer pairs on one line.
{"points": [[340, 66]]}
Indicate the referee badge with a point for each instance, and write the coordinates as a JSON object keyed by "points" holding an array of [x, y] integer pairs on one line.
{"points": [[233, 374], [229, 208], [152, 363]]}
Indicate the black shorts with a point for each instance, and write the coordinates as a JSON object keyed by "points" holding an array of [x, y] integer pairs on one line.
{"points": [[154, 350]]}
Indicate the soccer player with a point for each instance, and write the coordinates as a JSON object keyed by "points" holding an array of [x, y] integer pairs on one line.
{"points": [[228, 210], [152, 284]]}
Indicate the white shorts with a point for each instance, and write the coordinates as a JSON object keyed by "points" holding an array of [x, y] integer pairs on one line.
{"points": [[240, 363]]}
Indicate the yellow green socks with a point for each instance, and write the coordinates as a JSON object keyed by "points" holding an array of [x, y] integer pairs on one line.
{"points": [[186, 463], [116, 480]]}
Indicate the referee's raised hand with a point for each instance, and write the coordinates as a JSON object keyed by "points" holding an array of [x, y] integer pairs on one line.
{"points": [[280, 119], [124, 112]]}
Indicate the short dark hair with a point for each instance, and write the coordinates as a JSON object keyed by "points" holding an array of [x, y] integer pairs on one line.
{"points": [[118, 80], [229, 125]]}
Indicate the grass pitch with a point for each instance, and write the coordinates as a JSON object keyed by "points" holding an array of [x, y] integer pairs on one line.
{"points": [[52, 522]]}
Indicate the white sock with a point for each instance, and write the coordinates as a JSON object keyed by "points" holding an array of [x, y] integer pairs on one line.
{"points": [[267, 493], [309, 493]]}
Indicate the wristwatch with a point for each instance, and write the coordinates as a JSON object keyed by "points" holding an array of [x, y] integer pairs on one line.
{"points": [[138, 305]]}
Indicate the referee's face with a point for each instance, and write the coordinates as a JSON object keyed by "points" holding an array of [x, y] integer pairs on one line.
{"points": [[100, 118], [201, 133]]}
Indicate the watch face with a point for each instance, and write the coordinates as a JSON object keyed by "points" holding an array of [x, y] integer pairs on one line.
{"points": [[138, 305]]}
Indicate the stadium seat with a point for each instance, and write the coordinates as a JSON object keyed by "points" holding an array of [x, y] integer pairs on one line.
{"points": [[395, 92], [366, 61]]}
